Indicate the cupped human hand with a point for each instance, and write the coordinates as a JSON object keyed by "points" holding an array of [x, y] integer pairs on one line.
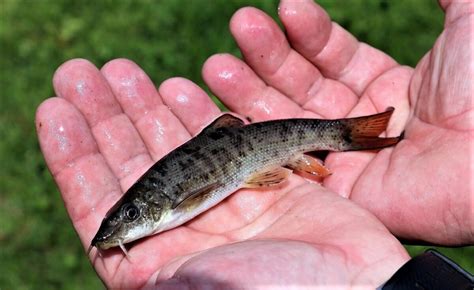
{"points": [[106, 127], [422, 188]]}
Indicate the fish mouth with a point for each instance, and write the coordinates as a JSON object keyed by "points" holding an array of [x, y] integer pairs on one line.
{"points": [[104, 245], [103, 242], [106, 236]]}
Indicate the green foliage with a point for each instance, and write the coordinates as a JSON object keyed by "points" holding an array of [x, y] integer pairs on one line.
{"points": [[404, 29], [38, 247]]}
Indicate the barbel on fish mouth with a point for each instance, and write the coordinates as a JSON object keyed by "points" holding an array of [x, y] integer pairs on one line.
{"points": [[225, 156]]}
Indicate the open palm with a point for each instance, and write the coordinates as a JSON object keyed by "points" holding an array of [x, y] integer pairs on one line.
{"points": [[107, 127], [420, 189]]}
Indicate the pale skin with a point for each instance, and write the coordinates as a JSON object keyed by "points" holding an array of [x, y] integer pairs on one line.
{"points": [[107, 126]]}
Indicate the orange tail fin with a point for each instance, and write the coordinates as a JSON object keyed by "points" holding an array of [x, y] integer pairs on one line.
{"points": [[363, 132]]}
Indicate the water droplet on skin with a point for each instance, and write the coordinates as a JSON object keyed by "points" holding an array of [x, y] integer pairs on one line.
{"points": [[263, 106], [80, 179], [286, 11], [273, 55], [81, 87], [159, 131], [59, 135], [226, 75], [129, 86], [63, 142], [182, 99], [83, 185], [109, 137]]}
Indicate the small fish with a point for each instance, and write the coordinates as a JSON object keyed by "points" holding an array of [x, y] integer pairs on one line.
{"points": [[225, 156]]}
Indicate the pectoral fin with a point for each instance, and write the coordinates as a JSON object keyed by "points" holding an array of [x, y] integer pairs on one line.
{"points": [[267, 177], [308, 164], [194, 196]]}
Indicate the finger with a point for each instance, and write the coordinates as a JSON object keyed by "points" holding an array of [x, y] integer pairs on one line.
{"points": [[336, 53], [454, 10], [86, 183], [158, 127], [79, 82], [389, 90], [189, 102], [241, 90], [266, 50]]}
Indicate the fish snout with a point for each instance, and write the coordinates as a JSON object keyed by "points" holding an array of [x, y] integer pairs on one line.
{"points": [[104, 238]]}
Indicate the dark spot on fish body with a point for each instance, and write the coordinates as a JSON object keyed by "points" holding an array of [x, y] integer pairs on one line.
{"points": [[228, 132], [153, 182], [198, 155], [216, 135], [237, 141], [189, 150], [249, 145], [149, 195], [204, 161], [226, 168], [260, 139], [180, 187], [284, 133], [182, 164], [300, 132], [213, 172], [160, 168], [220, 133], [347, 136], [238, 163], [221, 155]]}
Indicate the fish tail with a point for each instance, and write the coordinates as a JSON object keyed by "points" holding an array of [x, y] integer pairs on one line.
{"points": [[362, 133]]}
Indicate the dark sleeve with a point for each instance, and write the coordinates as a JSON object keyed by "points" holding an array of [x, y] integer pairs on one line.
{"points": [[430, 270]]}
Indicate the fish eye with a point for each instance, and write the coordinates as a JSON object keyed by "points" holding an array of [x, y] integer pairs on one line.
{"points": [[131, 212]]}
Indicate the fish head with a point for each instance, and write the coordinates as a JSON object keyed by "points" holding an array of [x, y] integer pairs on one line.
{"points": [[131, 218]]}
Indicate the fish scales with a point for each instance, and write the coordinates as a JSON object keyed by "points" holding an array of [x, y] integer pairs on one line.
{"points": [[225, 156]]}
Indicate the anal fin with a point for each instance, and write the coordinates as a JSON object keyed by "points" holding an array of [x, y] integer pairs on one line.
{"points": [[267, 177], [308, 164]]}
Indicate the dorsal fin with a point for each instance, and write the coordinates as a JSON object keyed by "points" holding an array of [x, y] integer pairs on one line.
{"points": [[226, 120]]}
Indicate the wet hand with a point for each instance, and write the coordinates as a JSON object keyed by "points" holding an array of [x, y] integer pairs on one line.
{"points": [[420, 188], [106, 127]]}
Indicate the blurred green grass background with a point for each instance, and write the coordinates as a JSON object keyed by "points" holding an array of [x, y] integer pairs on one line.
{"points": [[38, 247]]}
